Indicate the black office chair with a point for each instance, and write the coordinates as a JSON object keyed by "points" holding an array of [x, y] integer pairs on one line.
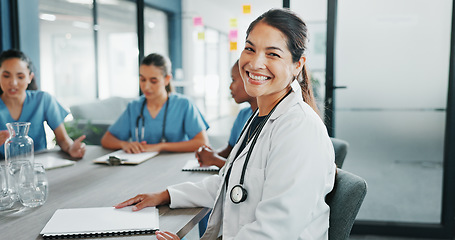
{"points": [[341, 149], [345, 201]]}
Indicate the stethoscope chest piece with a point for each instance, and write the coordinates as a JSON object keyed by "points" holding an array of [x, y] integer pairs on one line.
{"points": [[238, 194]]}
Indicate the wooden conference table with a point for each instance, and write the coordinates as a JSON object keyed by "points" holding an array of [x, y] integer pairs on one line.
{"points": [[86, 184]]}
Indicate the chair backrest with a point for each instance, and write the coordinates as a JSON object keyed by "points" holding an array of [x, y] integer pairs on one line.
{"points": [[341, 149], [106, 110], [94, 118], [345, 201]]}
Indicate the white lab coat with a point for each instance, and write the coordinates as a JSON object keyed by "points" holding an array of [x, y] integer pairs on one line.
{"points": [[290, 172]]}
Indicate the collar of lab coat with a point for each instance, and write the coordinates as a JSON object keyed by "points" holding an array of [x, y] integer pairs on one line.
{"points": [[295, 97]]}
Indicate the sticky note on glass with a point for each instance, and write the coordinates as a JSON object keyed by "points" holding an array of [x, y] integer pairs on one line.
{"points": [[197, 21], [233, 22], [233, 35], [233, 46], [246, 9], [200, 35]]}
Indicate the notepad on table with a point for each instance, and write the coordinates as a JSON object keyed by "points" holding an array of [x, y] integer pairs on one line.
{"points": [[51, 162], [127, 158], [103, 221], [193, 165]]}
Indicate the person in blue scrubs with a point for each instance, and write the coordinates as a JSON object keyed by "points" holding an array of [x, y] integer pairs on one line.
{"points": [[18, 103], [206, 155], [160, 120]]}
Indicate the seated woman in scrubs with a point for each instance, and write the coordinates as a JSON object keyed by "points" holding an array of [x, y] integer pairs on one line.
{"points": [[20, 104], [160, 120], [274, 182], [205, 155]]}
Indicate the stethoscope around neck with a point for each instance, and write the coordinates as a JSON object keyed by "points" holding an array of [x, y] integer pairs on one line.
{"points": [[141, 117], [238, 193]]}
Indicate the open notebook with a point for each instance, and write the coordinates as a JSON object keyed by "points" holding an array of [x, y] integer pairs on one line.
{"points": [[126, 158], [103, 221], [193, 165]]}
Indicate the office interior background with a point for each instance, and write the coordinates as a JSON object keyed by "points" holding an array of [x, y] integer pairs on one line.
{"points": [[382, 71]]}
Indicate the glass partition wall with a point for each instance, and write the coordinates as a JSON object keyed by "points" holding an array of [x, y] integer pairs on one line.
{"points": [[66, 35], [394, 59], [117, 49], [90, 48], [156, 32]]}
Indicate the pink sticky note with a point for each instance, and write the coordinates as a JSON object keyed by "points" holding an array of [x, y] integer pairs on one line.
{"points": [[197, 21], [233, 35]]}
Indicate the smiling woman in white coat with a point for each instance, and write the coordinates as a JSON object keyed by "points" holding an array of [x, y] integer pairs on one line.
{"points": [[275, 180]]}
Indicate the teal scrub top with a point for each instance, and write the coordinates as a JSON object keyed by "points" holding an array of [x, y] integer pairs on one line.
{"points": [[183, 121], [38, 107]]}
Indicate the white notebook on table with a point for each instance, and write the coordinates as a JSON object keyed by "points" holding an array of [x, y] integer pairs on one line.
{"points": [[51, 162], [103, 221], [193, 165], [127, 158]]}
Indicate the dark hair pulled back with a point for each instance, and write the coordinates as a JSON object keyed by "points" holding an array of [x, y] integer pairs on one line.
{"points": [[161, 62]]}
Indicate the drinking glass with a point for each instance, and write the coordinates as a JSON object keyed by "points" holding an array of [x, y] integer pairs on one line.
{"points": [[6, 201], [32, 185], [14, 170]]}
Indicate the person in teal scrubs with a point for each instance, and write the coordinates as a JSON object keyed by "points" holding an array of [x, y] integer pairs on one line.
{"points": [[19, 103], [160, 120]]}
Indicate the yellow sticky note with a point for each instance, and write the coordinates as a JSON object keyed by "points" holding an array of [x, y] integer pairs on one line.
{"points": [[201, 35], [233, 46], [233, 23], [246, 9]]}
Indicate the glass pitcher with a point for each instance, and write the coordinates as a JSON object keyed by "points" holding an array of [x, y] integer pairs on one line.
{"points": [[18, 149]]}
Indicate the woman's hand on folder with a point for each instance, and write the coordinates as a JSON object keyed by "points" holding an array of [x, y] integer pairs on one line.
{"points": [[134, 147], [166, 235], [146, 200]]}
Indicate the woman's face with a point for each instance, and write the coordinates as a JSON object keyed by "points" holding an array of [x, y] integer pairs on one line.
{"points": [[15, 78], [152, 81], [266, 63], [237, 87]]}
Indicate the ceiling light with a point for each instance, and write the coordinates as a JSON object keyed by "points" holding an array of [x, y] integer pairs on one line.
{"points": [[47, 17]]}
